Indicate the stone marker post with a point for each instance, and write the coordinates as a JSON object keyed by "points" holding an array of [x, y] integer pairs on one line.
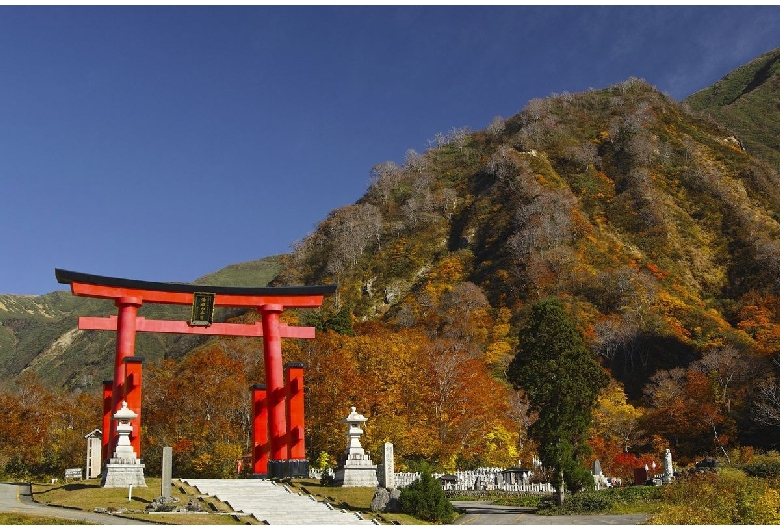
{"points": [[167, 472], [388, 464], [668, 467]]}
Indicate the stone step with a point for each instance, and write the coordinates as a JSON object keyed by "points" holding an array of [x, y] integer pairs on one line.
{"points": [[273, 503]]}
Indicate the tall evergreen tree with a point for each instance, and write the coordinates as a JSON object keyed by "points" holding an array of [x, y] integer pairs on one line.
{"points": [[562, 380]]}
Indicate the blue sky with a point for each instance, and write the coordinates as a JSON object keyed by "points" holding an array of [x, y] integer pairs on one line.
{"points": [[164, 143]]}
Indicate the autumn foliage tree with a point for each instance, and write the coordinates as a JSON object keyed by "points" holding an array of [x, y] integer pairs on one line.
{"points": [[200, 408], [43, 431], [430, 399]]}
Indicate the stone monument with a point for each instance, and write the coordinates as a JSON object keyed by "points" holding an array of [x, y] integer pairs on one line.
{"points": [[125, 468], [388, 465], [668, 468], [598, 476], [356, 467], [167, 472]]}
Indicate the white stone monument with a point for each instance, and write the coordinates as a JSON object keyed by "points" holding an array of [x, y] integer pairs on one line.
{"points": [[125, 468], [598, 476], [668, 468], [356, 468]]}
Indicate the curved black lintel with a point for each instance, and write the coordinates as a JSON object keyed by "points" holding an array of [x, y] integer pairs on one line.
{"points": [[68, 277]]}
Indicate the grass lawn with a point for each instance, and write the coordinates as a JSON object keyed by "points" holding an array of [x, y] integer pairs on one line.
{"points": [[87, 495]]}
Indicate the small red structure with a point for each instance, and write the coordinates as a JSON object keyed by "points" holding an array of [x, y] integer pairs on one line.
{"points": [[284, 433]]}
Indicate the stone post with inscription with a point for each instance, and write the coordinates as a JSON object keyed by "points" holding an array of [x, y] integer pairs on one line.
{"points": [[167, 472], [388, 465]]}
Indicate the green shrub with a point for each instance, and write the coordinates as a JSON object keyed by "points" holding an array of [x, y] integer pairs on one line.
{"points": [[526, 501], [578, 503], [424, 499]]}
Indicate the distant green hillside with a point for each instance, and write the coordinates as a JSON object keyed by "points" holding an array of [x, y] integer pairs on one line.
{"points": [[39, 333], [257, 273], [747, 101]]}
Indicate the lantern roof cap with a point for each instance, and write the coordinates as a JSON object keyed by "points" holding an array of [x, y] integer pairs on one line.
{"points": [[354, 417], [125, 414]]}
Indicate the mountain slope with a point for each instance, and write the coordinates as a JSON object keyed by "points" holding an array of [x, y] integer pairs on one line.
{"points": [[646, 218], [747, 101]]}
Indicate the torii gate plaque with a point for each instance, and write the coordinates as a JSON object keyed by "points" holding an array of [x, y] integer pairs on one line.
{"points": [[129, 295]]}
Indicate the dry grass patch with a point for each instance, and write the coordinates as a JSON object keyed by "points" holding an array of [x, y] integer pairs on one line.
{"points": [[87, 495], [17, 518]]}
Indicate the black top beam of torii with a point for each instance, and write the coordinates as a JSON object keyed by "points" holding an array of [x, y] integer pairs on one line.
{"points": [[203, 299], [71, 277]]}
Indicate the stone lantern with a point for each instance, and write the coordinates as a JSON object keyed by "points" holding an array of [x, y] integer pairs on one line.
{"points": [[354, 423], [124, 469], [356, 467], [124, 453]]}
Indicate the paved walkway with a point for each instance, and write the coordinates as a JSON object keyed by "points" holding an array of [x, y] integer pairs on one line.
{"points": [[483, 513], [16, 498]]}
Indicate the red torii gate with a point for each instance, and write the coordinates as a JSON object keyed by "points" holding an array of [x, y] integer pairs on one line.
{"points": [[284, 432]]}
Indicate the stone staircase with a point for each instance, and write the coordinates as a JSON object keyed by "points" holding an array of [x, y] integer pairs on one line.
{"points": [[272, 503]]}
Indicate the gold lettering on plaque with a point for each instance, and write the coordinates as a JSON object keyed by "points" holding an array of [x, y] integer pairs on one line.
{"points": [[202, 309]]}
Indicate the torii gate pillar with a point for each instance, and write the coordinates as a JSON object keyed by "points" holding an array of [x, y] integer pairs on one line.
{"points": [[259, 432], [106, 436], [125, 347], [275, 391], [299, 466]]}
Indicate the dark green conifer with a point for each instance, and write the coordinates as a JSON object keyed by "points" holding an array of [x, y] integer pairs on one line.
{"points": [[562, 380], [424, 499]]}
